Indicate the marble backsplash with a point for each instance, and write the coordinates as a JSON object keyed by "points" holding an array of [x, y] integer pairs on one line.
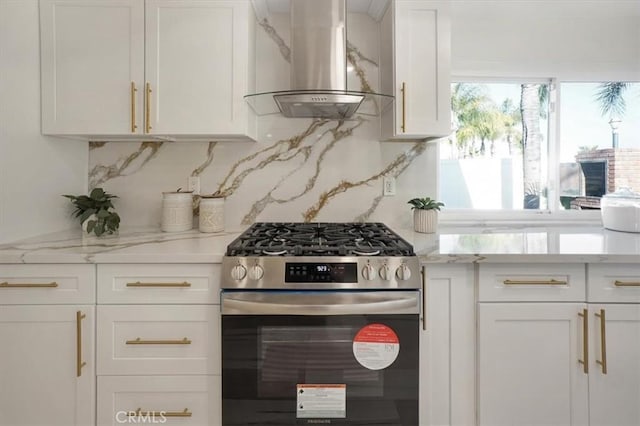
{"points": [[298, 170]]}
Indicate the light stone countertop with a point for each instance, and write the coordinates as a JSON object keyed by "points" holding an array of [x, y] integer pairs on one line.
{"points": [[555, 244]]}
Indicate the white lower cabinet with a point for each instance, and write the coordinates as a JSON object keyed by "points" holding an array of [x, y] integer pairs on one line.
{"points": [[47, 375], [158, 344], [614, 312], [614, 378], [447, 346], [180, 400], [528, 364]]}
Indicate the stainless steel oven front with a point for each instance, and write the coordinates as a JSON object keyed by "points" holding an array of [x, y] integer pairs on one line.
{"points": [[318, 357]]}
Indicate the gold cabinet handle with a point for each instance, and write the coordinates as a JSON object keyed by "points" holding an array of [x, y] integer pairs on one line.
{"points": [[134, 126], [626, 283], [603, 342], [534, 282], [424, 277], [403, 90], [147, 108], [152, 414], [139, 284], [585, 340], [139, 341], [28, 285], [79, 363]]}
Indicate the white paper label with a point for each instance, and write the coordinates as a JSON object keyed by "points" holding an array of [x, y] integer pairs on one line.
{"points": [[325, 401]]}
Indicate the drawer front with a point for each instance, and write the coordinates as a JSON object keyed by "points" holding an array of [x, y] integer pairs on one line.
{"points": [[163, 339], [40, 284], [614, 283], [157, 283], [180, 400], [541, 282]]}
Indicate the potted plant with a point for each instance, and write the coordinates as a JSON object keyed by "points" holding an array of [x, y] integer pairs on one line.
{"points": [[95, 212], [425, 214]]}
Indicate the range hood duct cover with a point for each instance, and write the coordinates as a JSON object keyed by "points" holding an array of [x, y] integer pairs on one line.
{"points": [[318, 79]]}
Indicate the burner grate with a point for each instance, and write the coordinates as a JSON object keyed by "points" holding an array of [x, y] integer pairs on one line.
{"points": [[319, 239]]}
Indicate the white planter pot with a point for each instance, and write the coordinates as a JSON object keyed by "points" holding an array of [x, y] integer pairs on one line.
{"points": [[425, 221]]}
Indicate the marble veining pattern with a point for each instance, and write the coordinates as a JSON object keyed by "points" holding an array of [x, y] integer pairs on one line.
{"points": [[132, 163]]}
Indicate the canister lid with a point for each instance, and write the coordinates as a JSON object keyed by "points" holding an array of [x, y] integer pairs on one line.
{"points": [[624, 192]]}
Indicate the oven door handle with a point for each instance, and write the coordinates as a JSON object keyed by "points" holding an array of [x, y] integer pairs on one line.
{"points": [[320, 303]]}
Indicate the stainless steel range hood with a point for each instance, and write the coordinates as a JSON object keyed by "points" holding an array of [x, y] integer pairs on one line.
{"points": [[318, 77]]}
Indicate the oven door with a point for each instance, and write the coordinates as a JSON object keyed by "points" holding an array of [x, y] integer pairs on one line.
{"points": [[318, 357]]}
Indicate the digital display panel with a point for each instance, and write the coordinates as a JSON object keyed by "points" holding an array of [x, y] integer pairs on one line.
{"points": [[321, 272]]}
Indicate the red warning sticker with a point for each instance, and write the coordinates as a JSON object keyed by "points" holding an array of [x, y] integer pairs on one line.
{"points": [[376, 346]]}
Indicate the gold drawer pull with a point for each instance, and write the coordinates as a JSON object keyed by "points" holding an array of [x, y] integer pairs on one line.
{"points": [[626, 283], [603, 341], [585, 341], [534, 282], [79, 362], [152, 414], [28, 285], [139, 284], [139, 341]]}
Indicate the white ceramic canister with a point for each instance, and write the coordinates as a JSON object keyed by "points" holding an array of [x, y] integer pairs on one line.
{"points": [[211, 214], [177, 211]]}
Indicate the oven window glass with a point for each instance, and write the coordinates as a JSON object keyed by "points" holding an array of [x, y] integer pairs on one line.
{"points": [[311, 355]]}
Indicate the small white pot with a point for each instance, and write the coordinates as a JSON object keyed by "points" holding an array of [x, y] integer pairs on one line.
{"points": [[425, 221]]}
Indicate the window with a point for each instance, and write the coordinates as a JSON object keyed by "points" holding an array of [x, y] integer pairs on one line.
{"points": [[506, 155]]}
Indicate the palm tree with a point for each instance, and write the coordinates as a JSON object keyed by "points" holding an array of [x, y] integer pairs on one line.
{"points": [[511, 117], [532, 97], [470, 105], [610, 96]]}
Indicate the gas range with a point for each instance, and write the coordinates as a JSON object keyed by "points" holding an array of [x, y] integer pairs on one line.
{"points": [[311, 256]]}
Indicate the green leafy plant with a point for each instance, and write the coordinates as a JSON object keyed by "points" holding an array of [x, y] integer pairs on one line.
{"points": [[97, 209], [425, 203]]}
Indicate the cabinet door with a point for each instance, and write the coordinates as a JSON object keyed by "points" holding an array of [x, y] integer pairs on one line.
{"points": [[91, 52], [39, 355], [447, 346], [528, 365], [422, 67], [614, 391], [196, 66]]}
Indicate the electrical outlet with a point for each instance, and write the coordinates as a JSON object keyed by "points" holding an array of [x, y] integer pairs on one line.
{"points": [[388, 186], [194, 184]]}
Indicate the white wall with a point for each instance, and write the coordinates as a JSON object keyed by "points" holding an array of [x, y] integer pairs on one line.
{"points": [[568, 39], [34, 170]]}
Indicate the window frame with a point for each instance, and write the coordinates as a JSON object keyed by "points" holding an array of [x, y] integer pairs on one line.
{"points": [[552, 214]]}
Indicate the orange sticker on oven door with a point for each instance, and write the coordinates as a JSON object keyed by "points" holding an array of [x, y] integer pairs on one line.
{"points": [[376, 346]]}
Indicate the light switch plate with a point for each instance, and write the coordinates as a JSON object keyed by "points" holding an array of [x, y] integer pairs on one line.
{"points": [[194, 184]]}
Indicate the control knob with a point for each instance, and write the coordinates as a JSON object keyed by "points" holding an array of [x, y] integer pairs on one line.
{"points": [[368, 272], [256, 272], [238, 272], [403, 272], [385, 272]]}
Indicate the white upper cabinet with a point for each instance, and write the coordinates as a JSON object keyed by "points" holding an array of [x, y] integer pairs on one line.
{"points": [[131, 69], [91, 53], [415, 46]]}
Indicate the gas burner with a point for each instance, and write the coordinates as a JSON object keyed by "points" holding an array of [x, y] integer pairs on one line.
{"points": [[365, 253], [274, 252], [319, 239]]}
